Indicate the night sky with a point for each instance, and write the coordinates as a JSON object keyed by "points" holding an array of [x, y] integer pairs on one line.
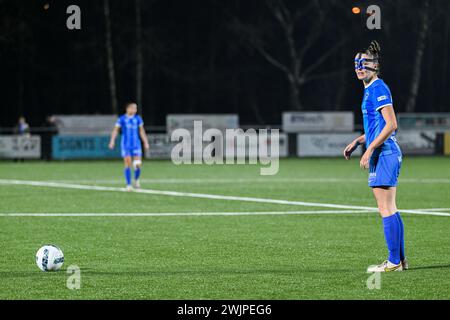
{"points": [[197, 61]]}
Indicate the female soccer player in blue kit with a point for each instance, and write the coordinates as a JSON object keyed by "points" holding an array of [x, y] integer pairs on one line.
{"points": [[383, 156], [132, 128]]}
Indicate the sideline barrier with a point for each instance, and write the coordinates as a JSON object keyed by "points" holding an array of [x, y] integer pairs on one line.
{"points": [[20, 147], [318, 122], [83, 147], [325, 145]]}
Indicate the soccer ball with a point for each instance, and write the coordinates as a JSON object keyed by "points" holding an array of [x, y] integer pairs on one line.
{"points": [[49, 258]]}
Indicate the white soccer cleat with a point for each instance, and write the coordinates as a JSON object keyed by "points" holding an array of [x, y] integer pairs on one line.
{"points": [[137, 184], [129, 188], [386, 266], [405, 264]]}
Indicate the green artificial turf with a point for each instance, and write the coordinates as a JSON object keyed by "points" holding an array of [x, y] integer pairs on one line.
{"points": [[313, 256]]}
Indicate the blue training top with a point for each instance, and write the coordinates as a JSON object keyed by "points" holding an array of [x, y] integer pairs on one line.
{"points": [[130, 131], [377, 96]]}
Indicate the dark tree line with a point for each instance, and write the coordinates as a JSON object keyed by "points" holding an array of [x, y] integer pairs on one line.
{"points": [[256, 58]]}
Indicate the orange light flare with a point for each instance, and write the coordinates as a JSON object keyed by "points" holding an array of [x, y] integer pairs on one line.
{"points": [[356, 10], [46, 6]]}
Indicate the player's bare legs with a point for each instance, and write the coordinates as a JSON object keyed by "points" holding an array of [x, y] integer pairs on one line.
{"points": [[127, 161], [137, 163], [385, 198]]}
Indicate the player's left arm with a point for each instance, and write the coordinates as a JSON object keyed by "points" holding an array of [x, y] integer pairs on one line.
{"points": [[391, 125], [114, 134], [143, 136]]}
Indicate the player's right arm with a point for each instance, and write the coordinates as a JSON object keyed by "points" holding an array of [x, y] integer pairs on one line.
{"points": [[353, 145], [114, 134]]}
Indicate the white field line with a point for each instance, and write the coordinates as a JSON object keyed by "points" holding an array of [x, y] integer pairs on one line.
{"points": [[206, 196], [434, 209], [180, 214], [247, 180], [183, 194]]}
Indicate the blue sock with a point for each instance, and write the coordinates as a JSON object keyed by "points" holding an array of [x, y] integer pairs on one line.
{"points": [[127, 173], [392, 235], [137, 173], [402, 236]]}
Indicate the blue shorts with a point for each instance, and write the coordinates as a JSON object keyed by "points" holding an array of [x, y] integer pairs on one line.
{"points": [[131, 152], [384, 170]]}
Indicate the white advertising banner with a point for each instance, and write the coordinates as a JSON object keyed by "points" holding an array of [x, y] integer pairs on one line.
{"points": [[25, 147], [282, 142], [438, 122], [417, 142], [284, 145], [160, 146], [296, 122], [217, 121], [76, 125], [324, 145], [249, 146]]}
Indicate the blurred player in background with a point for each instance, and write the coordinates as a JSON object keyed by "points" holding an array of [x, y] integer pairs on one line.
{"points": [[22, 128], [383, 156], [132, 129]]}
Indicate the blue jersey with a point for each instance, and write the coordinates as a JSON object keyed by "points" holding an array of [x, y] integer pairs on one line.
{"points": [[130, 131], [377, 96]]}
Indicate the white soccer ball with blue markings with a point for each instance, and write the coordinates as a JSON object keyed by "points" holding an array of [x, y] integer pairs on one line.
{"points": [[49, 258]]}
